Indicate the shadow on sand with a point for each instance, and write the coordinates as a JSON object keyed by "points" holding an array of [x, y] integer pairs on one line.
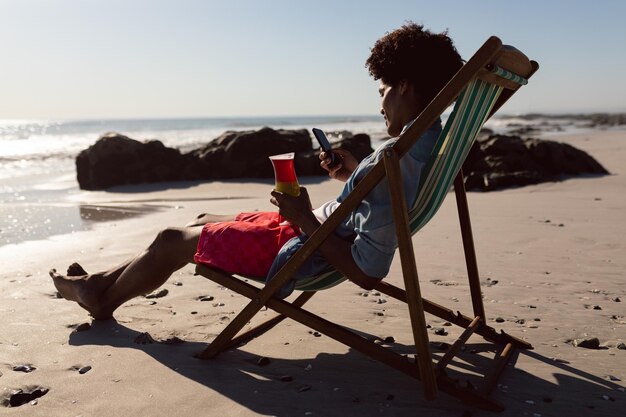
{"points": [[353, 384]]}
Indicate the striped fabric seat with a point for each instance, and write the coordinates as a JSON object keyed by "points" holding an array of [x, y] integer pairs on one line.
{"points": [[470, 112]]}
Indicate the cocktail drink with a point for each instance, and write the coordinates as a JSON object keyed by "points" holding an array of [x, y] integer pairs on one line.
{"points": [[285, 174]]}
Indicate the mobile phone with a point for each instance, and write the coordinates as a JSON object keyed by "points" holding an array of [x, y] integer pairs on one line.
{"points": [[325, 145]]}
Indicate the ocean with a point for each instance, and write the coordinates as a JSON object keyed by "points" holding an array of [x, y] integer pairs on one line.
{"points": [[37, 171]]}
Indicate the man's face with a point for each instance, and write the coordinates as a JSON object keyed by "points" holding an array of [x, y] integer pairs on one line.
{"points": [[392, 108]]}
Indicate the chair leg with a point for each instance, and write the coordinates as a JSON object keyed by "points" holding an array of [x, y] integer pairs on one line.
{"points": [[409, 273], [468, 247]]}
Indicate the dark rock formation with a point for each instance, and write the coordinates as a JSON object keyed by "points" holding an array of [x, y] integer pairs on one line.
{"points": [[499, 161], [116, 160], [494, 162], [245, 154]]}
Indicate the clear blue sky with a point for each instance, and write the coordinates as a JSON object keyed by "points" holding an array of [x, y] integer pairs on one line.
{"points": [[193, 58]]}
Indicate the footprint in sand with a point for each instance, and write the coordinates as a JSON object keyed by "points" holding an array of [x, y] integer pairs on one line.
{"points": [[16, 397]]}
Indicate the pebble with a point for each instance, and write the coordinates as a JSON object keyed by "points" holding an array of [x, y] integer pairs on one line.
{"points": [[84, 369], [617, 300], [158, 294], [380, 313], [304, 388], [308, 367], [152, 303], [621, 346], [499, 320], [596, 307], [24, 368], [285, 378], [447, 324], [316, 334], [178, 283], [611, 378], [529, 402], [219, 305], [520, 321], [381, 301], [389, 339], [589, 343], [33, 402], [206, 298], [440, 331]]}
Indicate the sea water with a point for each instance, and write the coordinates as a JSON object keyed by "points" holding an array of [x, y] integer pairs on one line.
{"points": [[37, 159]]}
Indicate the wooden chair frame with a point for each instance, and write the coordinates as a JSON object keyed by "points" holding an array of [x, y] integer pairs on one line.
{"points": [[433, 377]]}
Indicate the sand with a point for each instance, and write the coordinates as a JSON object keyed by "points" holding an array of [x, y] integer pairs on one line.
{"points": [[551, 257]]}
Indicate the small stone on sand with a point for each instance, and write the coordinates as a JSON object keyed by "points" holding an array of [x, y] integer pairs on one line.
{"points": [[24, 368], [205, 298], [440, 331], [158, 294], [84, 369], [589, 343]]}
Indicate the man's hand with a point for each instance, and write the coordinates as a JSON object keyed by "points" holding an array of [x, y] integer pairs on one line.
{"points": [[295, 209], [342, 171]]}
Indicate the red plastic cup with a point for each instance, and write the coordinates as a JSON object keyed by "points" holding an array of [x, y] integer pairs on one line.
{"points": [[285, 174]]}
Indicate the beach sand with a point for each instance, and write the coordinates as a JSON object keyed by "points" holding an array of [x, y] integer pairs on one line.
{"points": [[551, 257]]}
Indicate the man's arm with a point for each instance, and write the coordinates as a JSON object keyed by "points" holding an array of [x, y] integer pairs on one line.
{"points": [[337, 251]]}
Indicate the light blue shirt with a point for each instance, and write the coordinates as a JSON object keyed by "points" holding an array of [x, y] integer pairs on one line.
{"points": [[371, 222]]}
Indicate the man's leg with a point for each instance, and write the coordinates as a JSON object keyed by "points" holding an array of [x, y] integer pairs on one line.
{"points": [[101, 294]]}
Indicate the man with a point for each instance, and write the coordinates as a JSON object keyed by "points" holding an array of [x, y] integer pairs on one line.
{"points": [[412, 64]]}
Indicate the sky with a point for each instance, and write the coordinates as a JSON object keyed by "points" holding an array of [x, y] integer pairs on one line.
{"points": [[88, 59]]}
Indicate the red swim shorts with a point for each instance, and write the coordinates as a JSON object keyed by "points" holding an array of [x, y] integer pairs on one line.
{"points": [[245, 246]]}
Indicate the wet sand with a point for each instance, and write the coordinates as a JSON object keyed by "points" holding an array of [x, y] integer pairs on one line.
{"points": [[551, 258]]}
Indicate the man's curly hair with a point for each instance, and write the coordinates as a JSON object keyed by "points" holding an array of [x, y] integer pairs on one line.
{"points": [[414, 54]]}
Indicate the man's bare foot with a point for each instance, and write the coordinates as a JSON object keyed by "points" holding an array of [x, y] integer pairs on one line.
{"points": [[86, 290]]}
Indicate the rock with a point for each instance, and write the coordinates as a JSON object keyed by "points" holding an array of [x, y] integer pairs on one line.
{"points": [[440, 331], [621, 346], [499, 320], [589, 343], [245, 153], [84, 369], [159, 294], [499, 161], [116, 159], [27, 368]]}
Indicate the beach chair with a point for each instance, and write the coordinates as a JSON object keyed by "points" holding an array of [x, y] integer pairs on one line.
{"points": [[479, 88]]}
